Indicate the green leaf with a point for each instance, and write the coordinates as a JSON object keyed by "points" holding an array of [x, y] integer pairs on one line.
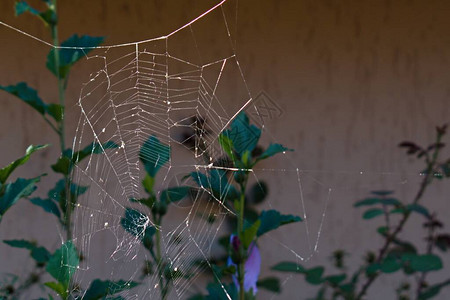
{"points": [[272, 150], [59, 288], [6, 171], [147, 240], [442, 241], [270, 283], [287, 266], [372, 213], [390, 265], [433, 290], [73, 49], [48, 16], [174, 194], [56, 111], [100, 289], [20, 244], [63, 263], [314, 275], [154, 155], [148, 182], [372, 269], [272, 219], [21, 188], [258, 192], [382, 193], [412, 208], [367, 202], [65, 163], [135, 222], [418, 209], [227, 145], [48, 205], [93, 148], [23, 7], [217, 183], [336, 279], [26, 94], [249, 234], [217, 291], [423, 263], [40, 254], [244, 137]]}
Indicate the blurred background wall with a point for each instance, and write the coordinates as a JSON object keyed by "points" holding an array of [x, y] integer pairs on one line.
{"points": [[352, 79]]}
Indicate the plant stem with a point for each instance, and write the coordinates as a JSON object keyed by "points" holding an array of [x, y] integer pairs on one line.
{"points": [[240, 229], [159, 261], [421, 281], [61, 124], [425, 182]]}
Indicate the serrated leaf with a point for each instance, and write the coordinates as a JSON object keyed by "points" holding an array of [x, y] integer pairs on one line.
{"points": [[100, 289], [40, 254], [73, 49], [217, 183], [243, 135], [270, 283], [26, 94], [20, 244], [174, 194], [48, 206], [68, 159], [272, 219], [21, 188], [314, 275], [135, 222], [154, 155], [63, 165], [63, 263], [221, 291], [272, 150], [23, 7], [6, 171], [258, 192], [287, 266], [372, 213], [93, 148]]}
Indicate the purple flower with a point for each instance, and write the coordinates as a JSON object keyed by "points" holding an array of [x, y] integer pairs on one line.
{"points": [[252, 265]]}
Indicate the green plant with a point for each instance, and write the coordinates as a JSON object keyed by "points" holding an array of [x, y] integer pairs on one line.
{"points": [[11, 192], [147, 228], [228, 185], [62, 199], [395, 253]]}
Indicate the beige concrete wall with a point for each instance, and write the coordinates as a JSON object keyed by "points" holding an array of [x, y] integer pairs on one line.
{"points": [[352, 78]]}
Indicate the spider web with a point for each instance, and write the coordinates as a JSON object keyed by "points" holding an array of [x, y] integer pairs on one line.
{"points": [[165, 87]]}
